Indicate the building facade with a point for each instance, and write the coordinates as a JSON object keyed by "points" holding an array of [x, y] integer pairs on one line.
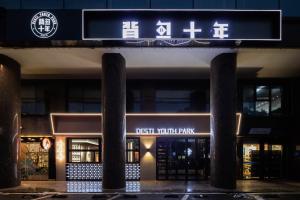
{"points": [[80, 103]]}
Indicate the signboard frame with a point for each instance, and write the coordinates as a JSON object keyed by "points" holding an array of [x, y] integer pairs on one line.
{"points": [[179, 10]]}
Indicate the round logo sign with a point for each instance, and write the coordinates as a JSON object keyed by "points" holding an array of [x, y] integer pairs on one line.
{"points": [[46, 143], [44, 24]]}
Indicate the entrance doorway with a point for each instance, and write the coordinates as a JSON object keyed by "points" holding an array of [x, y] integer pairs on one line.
{"points": [[34, 160], [273, 161], [262, 161], [182, 158]]}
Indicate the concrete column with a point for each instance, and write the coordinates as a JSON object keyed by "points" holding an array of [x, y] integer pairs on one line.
{"points": [[10, 122], [223, 121], [114, 121]]}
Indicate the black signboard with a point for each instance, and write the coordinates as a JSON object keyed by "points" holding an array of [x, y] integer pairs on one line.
{"points": [[123, 25], [42, 25], [181, 24]]}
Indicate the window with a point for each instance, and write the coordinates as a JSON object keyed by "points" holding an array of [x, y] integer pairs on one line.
{"points": [[132, 150], [173, 100], [248, 94], [84, 150], [84, 99], [33, 100], [262, 103], [133, 101], [276, 104], [262, 100]]}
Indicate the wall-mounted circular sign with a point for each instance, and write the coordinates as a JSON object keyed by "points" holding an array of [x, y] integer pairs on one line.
{"points": [[44, 24], [46, 143]]}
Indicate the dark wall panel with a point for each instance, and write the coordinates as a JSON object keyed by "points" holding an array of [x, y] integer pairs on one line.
{"points": [[42, 4], [134, 4], [80, 4], [290, 8], [183, 4], [214, 4], [258, 4], [10, 4]]}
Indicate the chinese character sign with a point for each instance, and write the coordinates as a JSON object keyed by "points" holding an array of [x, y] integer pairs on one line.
{"points": [[130, 29], [220, 30], [44, 24], [180, 24], [163, 30]]}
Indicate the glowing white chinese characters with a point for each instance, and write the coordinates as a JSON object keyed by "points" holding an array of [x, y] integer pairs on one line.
{"points": [[220, 30], [192, 30], [130, 30], [164, 30]]}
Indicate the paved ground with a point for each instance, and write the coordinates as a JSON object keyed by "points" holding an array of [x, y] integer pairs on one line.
{"points": [[151, 196], [152, 190], [156, 186]]}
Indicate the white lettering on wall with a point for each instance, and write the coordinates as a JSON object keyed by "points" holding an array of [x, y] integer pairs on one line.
{"points": [[165, 131]]}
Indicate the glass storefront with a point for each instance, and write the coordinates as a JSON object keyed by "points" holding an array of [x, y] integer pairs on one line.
{"points": [[182, 158], [261, 163], [251, 161], [81, 150], [273, 161], [34, 160], [132, 150], [84, 161]]}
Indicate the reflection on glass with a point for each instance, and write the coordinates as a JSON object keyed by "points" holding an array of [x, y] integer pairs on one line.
{"points": [[262, 93], [250, 161], [84, 150], [276, 93], [262, 101], [262, 108], [248, 100]]}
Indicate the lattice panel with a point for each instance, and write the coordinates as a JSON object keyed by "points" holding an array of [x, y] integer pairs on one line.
{"points": [[84, 171], [94, 171]]}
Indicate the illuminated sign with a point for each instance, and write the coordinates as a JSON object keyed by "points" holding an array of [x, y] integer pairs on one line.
{"points": [[136, 123], [44, 24], [46, 143], [60, 152], [165, 131], [183, 24]]}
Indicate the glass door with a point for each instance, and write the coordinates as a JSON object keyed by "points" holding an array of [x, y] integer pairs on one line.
{"points": [[181, 158], [251, 161], [34, 160], [273, 161]]}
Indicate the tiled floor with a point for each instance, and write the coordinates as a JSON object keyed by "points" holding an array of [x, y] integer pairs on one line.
{"points": [[156, 186]]}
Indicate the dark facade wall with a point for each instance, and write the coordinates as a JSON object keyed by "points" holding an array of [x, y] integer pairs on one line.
{"points": [[285, 128], [55, 101], [290, 7], [57, 91]]}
